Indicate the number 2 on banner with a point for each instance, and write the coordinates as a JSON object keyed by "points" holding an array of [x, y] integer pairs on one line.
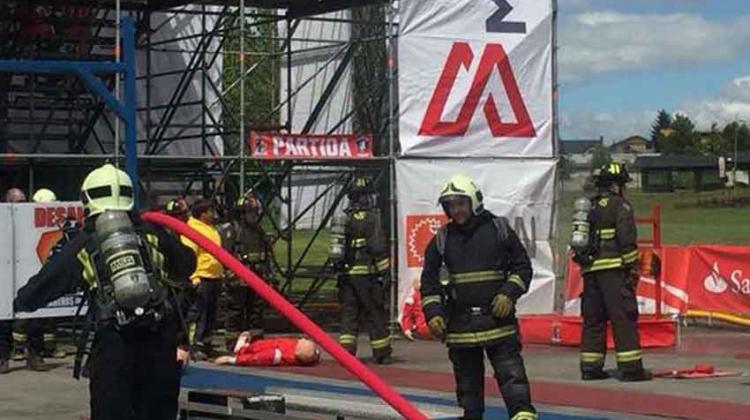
{"points": [[494, 56]]}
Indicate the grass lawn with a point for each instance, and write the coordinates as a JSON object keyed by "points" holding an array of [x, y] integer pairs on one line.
{"points": [[315, 257], [680, 226], [728, 225]]}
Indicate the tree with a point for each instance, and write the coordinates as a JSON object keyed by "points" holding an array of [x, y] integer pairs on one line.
{"points": [[739, 131], [600, 156], [663, 122], [712, 143], [564, 167], [682, 139]]}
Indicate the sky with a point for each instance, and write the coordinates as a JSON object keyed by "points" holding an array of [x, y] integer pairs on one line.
{"points": [[621, 61]]}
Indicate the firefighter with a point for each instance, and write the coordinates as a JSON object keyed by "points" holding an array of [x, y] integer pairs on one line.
{"points": [[178, 208], [51, 349], [244, 237], [185, 296], [27, 334], [126, 267], [473, 309], [610, 277], [361, 279]]}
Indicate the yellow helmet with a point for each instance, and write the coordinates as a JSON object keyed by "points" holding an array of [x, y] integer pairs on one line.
{"points": [[44, 195], [107, 188], [462, 186], [611, 173]]}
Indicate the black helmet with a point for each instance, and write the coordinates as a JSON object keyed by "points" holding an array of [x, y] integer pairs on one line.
{"points": [[611, 173], [248, 203], [361, 185]]}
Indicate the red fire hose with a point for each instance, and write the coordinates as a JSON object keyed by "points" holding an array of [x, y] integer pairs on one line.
{"points": [[293, 314]]}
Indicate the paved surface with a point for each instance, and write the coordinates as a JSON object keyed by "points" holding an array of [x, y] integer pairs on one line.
{"points": [[422, 371]]}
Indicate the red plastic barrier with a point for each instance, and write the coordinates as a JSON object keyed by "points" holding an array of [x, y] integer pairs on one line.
{"points": [[351, 363]]}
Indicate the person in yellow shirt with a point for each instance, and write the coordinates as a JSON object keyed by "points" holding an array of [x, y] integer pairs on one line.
{"points": [[206, 279]]}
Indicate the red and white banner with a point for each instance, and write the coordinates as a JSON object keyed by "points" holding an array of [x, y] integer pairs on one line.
{"points": [[32, 230], [704, 277], [475, 78], [294, 146], [526, 202]]}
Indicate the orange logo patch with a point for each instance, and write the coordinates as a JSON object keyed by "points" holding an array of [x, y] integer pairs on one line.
{"points": [[420, 229]]}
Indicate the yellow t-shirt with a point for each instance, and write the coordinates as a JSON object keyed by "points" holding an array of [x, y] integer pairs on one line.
{"points": [[207, 266]]}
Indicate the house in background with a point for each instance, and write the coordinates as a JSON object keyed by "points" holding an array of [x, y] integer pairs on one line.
{"points": [[632, 145], [580, 151]]}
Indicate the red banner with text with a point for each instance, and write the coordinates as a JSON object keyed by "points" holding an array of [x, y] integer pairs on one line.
{"points": [[298, 146]]}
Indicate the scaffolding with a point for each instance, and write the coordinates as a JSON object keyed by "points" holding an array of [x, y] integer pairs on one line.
{"points": [[70, 73]]}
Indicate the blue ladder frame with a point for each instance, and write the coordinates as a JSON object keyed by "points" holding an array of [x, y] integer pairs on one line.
{"points": [[87, 70]]}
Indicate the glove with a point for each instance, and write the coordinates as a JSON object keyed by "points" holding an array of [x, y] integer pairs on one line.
{"points": [[437, 326], [502, 306], [633, 277]]}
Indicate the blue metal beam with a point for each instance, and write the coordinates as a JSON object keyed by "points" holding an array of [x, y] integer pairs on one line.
{"points": [[131, 149], [60, 66], [96, 86]]}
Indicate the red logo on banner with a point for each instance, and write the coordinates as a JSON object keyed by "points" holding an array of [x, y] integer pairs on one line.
{"points": [[420, 228], [493, 57]]}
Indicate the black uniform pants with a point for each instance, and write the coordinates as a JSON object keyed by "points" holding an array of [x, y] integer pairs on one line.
{"points": [[362, 296], [30, 332], [204, 310], [244, 309], [6, 339], [510, 373], [607, 295], [134, 374]]}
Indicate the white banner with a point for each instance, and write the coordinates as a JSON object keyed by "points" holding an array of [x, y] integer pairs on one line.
{"points": [[35, 230], [475, 78], [526, 201], [6, 262]]}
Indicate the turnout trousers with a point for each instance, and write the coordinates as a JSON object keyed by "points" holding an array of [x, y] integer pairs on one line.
{"points": [[608, 296], [362, 296], [510, 373], [134, 374]]}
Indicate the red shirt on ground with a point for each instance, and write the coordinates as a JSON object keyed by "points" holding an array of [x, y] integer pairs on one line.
{"points": [[268, 352]]}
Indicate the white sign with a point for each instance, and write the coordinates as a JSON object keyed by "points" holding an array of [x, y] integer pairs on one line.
{"points": [[522, 191], [6, 262], [35, 230], [475, 78]]}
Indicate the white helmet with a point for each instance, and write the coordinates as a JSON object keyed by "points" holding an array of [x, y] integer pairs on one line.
{"points": [[44, 195], [107, 188]]}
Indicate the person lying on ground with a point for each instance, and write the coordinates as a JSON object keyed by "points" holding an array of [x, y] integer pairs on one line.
{"points": [[279, 351]]}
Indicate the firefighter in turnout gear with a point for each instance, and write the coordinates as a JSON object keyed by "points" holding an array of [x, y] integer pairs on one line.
{"points": [[126, 267], [361, 275], [473, 310], [27, 334], [610, 277], [245, 239]]}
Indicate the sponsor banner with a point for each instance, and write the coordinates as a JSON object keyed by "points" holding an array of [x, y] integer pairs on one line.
{"points": [[704, 277], [674, 296], [475, 78], [6, 262], [293, 146], [719, 278], [526, 202], [35, 230]]}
